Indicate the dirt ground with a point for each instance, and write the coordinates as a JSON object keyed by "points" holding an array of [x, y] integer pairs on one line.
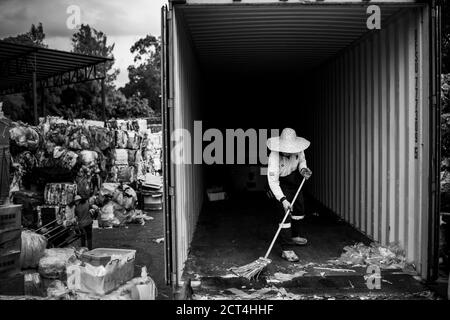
{"points": [[141, 239]]}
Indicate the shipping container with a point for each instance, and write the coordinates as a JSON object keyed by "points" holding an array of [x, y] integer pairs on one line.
{"points": [[365, 93]]}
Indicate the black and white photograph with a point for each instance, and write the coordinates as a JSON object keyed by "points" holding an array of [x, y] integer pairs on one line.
{"points": [[240, 151]]}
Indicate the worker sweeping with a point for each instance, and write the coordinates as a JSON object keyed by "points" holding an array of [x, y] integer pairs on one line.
{"points": [[286, 167]]}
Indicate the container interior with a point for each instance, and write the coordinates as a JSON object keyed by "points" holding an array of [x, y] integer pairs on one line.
{"points": [[351, 91]]}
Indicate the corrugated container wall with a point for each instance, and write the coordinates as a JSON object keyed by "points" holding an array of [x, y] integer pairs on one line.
{"points": [[189, 178], [371, 133]]}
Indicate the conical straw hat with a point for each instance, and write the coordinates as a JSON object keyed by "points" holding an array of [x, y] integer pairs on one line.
{"points": [[288, 142]]}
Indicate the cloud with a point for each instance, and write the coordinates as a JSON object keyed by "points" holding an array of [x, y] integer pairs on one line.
{"points": [[114, 17]]}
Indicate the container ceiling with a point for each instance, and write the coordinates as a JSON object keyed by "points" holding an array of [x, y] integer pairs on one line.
{"points": [[275, 37]]}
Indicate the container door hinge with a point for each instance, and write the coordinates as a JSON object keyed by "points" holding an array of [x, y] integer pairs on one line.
{"points": [[171, 191], [169, 15], [170, 103]]}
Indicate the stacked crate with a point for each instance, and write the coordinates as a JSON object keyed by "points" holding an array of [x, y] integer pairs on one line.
{"points": [[11, 280]]}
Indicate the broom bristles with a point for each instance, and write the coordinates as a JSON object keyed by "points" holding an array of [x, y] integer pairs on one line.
{"points": [[251, 270]]}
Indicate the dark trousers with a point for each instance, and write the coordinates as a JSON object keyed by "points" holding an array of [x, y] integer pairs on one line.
{"points": [[86, 236], [290, 185]]}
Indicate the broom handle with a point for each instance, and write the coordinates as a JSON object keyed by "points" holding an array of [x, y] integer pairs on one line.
{"points": [[284, 219]]}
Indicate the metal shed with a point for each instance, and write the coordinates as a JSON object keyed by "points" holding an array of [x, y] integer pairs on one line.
{"points": [[28, 68]]}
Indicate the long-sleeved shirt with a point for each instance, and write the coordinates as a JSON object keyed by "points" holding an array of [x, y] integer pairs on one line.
{"points": [[279, 166]]}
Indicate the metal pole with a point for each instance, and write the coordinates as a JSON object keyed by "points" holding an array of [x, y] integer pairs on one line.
{"points": [[35, 108], [103, 100], [43, 100]]}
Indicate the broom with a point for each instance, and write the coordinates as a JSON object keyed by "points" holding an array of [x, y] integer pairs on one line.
{"points": [[252, 270]]}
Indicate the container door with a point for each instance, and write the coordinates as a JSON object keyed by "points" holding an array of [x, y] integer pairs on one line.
{"points": [[435, 143], [167, 126]]}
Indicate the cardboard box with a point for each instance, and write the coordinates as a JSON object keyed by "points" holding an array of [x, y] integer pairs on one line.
{"points": [[214, 195]]}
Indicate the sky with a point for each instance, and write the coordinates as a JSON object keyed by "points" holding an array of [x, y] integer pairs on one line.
{"points": [[123, 21]]}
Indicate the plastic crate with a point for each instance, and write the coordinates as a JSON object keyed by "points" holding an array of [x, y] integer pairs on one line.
{"points": [[10, 241], [10, 264], [102, 256], [152, 201], [117, 271], [10, 217]]}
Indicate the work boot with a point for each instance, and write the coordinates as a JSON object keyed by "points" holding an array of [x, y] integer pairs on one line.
{"points": [[299, 241], [290, 256]]}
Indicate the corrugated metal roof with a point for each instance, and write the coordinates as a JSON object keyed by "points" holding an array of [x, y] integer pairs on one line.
{"points": [[18, 61], [275, 37]]}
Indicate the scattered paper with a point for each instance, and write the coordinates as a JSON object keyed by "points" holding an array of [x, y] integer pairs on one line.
{"points": [[334, 270], [284, 277]]}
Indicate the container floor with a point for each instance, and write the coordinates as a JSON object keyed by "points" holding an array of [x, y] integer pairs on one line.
{"points": [[238, 231]]}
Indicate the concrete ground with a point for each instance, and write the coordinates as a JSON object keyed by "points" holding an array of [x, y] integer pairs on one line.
{"points": [[141, 239], [238, 231]]}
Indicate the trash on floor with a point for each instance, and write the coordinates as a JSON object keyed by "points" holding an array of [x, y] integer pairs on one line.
{"points": [[54, 262], [285, 277], [391, 257], [334, 269], [32, 249]]}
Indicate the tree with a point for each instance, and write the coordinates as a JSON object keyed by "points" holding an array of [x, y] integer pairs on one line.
{"points": [[84, 100], [34, 37], [144, 76], [123, 107], [90, 41]]}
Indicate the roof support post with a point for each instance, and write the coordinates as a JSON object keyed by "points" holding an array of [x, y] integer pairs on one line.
{"points": [[34, 93], [43, 101], [103, 100]]}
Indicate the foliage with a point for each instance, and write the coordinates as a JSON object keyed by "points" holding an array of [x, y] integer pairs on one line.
{"points": [[133, 107], [92, 42], [35, 37], [144, 76]]}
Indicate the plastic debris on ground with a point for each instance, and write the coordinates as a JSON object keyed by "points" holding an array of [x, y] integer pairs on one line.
{"points": [[159, 240], [54, 262], [57, 290], [33, 249], [33, 284], [285, 277], [391, 257]]}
